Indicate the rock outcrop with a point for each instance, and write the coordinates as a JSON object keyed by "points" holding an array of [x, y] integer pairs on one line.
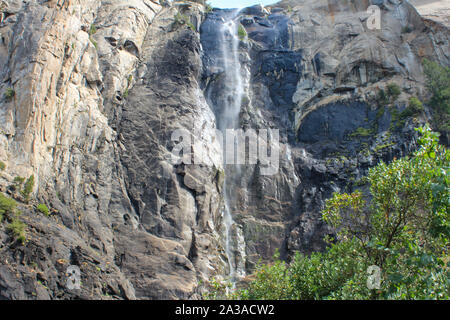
{"points": [[92, 91]]}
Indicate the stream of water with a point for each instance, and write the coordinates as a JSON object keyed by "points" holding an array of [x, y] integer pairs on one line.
{"points": [[229, 119]]}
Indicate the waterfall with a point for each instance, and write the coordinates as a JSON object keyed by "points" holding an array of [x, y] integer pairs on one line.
{"points": [[228, 118]]}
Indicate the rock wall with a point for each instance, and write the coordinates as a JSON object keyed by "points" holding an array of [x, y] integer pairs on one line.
{"points": [[99, 87]]}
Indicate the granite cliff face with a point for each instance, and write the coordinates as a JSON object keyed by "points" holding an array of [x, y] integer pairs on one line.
{"points": [[92, 91]]}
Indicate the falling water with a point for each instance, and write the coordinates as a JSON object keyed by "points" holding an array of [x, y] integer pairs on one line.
{"points": [[229, 119]]}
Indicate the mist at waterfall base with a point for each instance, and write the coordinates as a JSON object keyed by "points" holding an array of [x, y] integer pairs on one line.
{"points": [[239, 3]]}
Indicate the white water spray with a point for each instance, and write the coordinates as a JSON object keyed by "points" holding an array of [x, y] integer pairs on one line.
{"points": [[229, 119]]}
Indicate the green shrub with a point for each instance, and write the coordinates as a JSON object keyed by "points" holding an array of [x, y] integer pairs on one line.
{"points": [[242, 33], [389, 96], [208, 7], [2, 165], [438, 83], [17, 230], [42, 208], [361, 132], [181, 19], [7, 205], [92, 29], [382, 98], [9, 93], [28, 188], [393, 91], [19, 180], [414, 108]]}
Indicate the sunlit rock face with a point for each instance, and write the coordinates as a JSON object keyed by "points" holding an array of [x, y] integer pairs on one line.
{"points": [[100, 87]]}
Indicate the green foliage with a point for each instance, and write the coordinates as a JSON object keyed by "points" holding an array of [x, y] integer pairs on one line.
{"points": [[242, 33], [324, 275], [403, 227], [439, 86], [393, 91], [382, 98], [383, 146], [42, 208], [28, 188], [19, 180], [414, 108], [182, 19], [7, 205], [208, 7], [389, 96], [361, 132], [17, 230], [2, 166], [93, 42], [92, 29], [127, 89], [9, 93], [219, 290], [272, 282]]}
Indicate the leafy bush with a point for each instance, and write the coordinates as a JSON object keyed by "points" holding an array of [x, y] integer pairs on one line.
{"points": [[42, 208], [92, 29], [414, 108], [19, 180], [17, 230], [382, 98], [362, 132], [272, 282], [208, 7], [2, 165], [439, 86], [7, 205], [389, 96], [9, 93], [242, 33], [393, 91], [28, 188], [181, 19]]}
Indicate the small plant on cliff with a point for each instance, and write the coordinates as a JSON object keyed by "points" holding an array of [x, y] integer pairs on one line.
{"points": [[208, 7], [414, 108], [17, 230], [438, 85], [28, 188], [92, 29], [393, 91], [7, 206], [9, 93], [388, 96], [42, 208], [361, 132], [2, 165], [242, 33], [181, 19]]}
